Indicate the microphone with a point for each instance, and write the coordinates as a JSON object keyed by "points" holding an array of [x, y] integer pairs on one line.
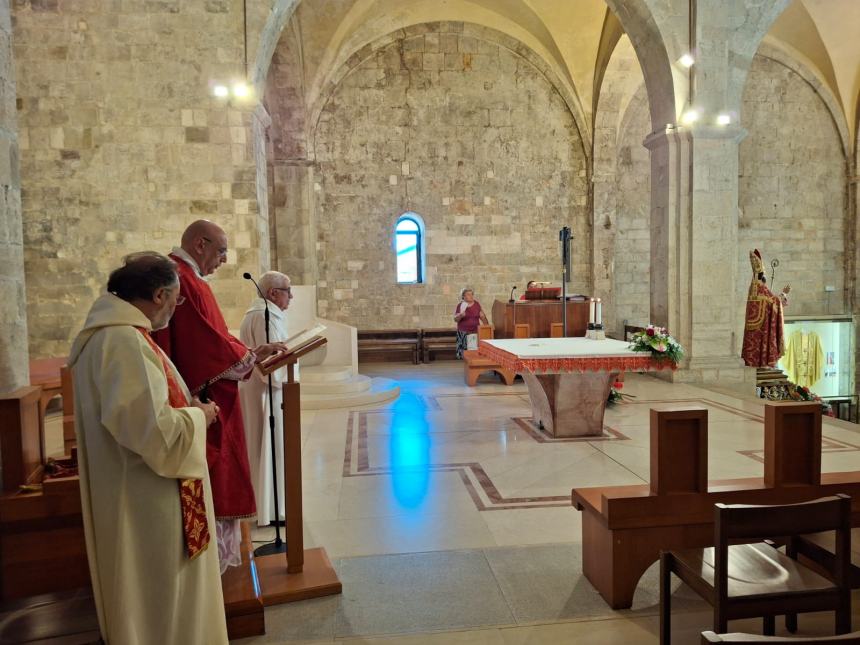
{"points": [[248, 276], [514, 288]]}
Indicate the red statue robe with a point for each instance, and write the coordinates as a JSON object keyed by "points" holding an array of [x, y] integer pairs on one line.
{"points": [[198, 343], [763, 335]]}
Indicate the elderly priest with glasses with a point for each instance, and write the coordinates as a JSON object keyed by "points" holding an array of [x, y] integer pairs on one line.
{"points": [[254, 394]]}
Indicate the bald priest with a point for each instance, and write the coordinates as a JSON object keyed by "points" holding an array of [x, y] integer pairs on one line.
{"points": [[212, 362]]}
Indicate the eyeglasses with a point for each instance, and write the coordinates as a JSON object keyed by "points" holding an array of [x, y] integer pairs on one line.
{"points": [[180, 300], [287, 289], [221, 251]]}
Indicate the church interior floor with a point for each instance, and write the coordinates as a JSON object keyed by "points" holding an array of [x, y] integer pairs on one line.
{"points": [[447, 514]]}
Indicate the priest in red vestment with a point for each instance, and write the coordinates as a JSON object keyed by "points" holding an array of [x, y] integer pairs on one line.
{"points": [[763, 334], [212, 361]]}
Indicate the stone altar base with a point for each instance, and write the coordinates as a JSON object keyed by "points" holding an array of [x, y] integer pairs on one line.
{"points": [[570, 404]]}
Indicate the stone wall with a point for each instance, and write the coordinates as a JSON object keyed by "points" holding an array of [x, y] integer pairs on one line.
{"points": [[632, 284], [122, 145], [473, 138], [791, 195], [13, 313], [792, 189]]}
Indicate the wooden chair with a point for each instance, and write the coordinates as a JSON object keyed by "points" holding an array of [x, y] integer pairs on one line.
{"points": [[556, 330], [486, 332], [736, 639], [746, 580], [521, 330]]}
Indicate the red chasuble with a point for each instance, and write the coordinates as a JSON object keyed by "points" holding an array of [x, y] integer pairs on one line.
{"points": [[198, 343]]}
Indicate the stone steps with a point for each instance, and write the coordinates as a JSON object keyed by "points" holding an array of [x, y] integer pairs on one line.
{"points": [[327, 387]]}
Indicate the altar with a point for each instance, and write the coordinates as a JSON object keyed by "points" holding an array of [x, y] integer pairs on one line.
{"points": [[569, 378]]}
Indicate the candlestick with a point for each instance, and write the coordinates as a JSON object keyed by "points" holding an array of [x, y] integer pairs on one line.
{"points": [[599, 315], [591, 311]]}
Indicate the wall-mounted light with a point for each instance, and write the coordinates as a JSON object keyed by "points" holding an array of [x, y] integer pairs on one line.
{"points": [[239, 91], [687, 60], [690, 117], [724, 119]]}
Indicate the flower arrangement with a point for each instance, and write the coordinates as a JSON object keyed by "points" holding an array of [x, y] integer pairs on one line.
{"points": [[616, 395], [657, 341], [792, 392]]}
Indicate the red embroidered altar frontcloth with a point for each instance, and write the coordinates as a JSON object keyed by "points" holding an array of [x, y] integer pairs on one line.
{"points": [[559, 355]]}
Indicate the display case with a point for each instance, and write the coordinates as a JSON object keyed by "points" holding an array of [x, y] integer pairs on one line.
{"points": [[819, 354]]}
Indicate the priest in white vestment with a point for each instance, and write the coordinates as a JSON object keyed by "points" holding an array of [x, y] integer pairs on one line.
{"points": [[145, 493], [254, 394]]}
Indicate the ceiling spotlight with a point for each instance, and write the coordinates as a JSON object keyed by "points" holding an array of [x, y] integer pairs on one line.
{"points": [[724, 119], [690, 117], [220, 91], [241, 91], [687, 60]]}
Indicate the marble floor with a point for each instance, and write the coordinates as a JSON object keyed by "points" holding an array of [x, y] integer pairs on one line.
{"points": [[447, 513]]}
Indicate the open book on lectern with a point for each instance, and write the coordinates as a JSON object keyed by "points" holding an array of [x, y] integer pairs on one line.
{"points": [[294, 345]]}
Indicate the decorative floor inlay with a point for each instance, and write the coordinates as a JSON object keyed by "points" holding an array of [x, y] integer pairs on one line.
{"points": [[828, 445], [420, 418], [480, 487], [540, 434]]}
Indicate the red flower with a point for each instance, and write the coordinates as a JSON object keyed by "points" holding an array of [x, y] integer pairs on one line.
{"points": [[618, 385], [649, 331]]}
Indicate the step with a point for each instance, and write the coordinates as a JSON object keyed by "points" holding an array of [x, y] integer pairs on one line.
{"points": [[381, 390], [325, 373], [357, 383]]}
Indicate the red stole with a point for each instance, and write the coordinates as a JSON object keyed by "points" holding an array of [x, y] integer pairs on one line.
{"points": [[198, 343], [192, 502], [763, 334]]}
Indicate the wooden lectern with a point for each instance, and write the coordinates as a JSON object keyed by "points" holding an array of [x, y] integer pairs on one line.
{"points": [[302, 574]]}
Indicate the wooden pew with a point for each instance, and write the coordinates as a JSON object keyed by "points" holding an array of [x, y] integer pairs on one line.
{"points": [[42, 546], [438, 340], [624, 528], [389, 344]]}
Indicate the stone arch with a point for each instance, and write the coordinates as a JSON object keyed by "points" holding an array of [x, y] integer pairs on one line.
{"points": [[622, 82], [792, 193], [350, 61], [487, 151], [641, 27]]}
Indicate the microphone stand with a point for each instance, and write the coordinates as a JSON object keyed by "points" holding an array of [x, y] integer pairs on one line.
{"points": [[514, 288], [278, 546], [564, 238]]}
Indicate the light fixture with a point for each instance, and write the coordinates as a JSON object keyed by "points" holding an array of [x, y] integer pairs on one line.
{"points": [[724, 119], [241, 90], [687, 60], [221, 91], [690, 117]]}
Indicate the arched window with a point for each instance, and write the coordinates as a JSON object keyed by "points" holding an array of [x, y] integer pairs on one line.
{"points": [[409, 246]]}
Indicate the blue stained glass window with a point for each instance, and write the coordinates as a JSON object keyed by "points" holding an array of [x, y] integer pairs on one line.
{"points": [[407, 245]]}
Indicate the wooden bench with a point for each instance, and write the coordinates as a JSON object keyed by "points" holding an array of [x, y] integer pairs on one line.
{"points": [[624, 528], [389, 344], [437, 341], [474, 365]]}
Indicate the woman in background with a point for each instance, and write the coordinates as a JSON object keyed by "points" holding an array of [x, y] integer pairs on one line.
{"points": [[467, 315]]}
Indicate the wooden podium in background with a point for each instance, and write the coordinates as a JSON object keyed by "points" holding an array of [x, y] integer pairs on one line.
{"points": [[300, 573]]}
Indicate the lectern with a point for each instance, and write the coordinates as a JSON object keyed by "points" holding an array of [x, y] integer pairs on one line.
{"points": [[300, 573]]}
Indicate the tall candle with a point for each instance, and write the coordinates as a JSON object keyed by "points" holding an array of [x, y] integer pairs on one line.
{"points": [[599, 318], [591, 311]]}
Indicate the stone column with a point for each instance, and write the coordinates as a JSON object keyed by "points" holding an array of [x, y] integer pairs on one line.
{"points": [[294, 222], [14, 360], [694, 277]]}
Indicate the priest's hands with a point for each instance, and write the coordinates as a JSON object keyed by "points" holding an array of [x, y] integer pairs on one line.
{"points": [[263, 352], [210, 410], [786, 289]]}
